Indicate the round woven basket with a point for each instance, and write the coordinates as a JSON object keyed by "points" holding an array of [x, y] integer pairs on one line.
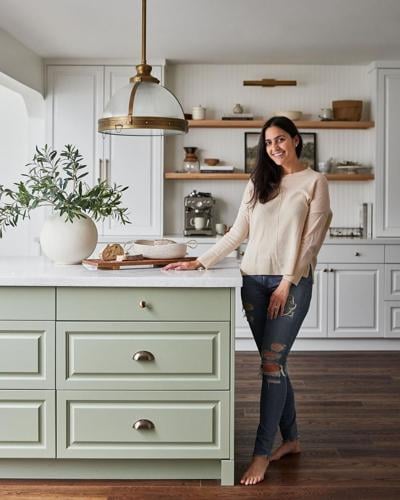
{"points": [[347, 110]]}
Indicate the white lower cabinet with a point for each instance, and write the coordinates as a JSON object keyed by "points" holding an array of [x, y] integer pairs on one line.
{"points": [[348, 295]]}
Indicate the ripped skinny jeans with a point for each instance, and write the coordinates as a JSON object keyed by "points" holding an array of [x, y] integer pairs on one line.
{"points": [[274, 339]]}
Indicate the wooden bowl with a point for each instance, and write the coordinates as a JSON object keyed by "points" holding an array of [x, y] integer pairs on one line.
{"points": [[211, 162]]}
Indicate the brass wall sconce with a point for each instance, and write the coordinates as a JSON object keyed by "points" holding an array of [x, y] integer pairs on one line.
{"points": [[270, 82]]}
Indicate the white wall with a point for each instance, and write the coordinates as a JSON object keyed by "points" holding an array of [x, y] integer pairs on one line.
{"points": [[20, 63], [219, 87], [20, 131]]}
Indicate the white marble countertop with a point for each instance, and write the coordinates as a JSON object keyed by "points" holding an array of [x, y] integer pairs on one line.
{"points": [[38, 271]]}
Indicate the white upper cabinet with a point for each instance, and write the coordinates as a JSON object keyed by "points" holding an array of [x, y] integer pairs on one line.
{"points": [[387, 217], [76, 98]]}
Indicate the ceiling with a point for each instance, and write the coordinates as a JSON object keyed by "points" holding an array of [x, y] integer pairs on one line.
{"points": [[210, 31]]}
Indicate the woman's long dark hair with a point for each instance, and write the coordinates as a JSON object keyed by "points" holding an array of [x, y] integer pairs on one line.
{"points": [[267, 174]]}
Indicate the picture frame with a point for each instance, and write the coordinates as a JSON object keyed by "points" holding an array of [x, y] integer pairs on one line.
{"points": [[250, 150], [308, 154]]}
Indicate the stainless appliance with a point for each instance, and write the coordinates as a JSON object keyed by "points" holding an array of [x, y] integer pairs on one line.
{"points": [[199, 214]]}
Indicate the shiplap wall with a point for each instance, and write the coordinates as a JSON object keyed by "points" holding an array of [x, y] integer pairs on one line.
{"points": [[219, 87]]}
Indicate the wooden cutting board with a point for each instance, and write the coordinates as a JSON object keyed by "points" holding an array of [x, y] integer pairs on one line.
{"points": [[115, 264]]}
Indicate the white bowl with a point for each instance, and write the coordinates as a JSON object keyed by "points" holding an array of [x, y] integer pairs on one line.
{"points": [[161, 249], [292, 115]]}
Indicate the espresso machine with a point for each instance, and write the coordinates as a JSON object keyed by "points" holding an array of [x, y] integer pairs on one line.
{"points": [[199, 214]]}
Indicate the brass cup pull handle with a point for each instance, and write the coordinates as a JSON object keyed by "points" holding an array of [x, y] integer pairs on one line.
{"points": [[143, 425], [142, 304], [143, 356]]}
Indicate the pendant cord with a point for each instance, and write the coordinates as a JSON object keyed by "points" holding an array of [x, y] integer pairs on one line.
{"points": [[143, 31]]}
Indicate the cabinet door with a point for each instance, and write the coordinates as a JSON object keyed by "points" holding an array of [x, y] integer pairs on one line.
{"points": [[388, 154], [74, 103], [136, 162], [355, 300], [315, 322]]}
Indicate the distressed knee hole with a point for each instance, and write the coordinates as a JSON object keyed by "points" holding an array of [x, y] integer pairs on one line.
{"points": [[271, 356], [273, 371], [277, 347]]}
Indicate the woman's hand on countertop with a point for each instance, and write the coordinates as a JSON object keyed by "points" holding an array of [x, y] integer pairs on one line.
{"points": [[184, 266]]}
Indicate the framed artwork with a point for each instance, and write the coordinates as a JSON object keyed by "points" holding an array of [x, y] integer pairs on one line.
{"points": [[309, 153], [250, 150]]}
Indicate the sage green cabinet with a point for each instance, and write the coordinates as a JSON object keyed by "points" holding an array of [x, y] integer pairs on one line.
{"points": [[27, 303], [140, 424], [27, 424], [143, 304], [27, 350], [143, 355]]}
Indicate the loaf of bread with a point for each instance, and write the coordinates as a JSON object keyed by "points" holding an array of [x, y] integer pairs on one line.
{"points": [[111, 251]]}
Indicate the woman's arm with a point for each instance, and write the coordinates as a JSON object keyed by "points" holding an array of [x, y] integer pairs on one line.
{"points": [[315, 229], [231, 240], [235, 236]]}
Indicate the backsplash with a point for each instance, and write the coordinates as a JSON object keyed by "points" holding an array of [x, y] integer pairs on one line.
{"points": [[219, 87]]}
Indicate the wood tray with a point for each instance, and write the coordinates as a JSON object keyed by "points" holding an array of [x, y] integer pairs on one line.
{"points": [[115, 264]]}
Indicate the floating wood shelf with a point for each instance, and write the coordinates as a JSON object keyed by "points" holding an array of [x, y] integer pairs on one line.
{"points": [[301, 124], [242, 176]]}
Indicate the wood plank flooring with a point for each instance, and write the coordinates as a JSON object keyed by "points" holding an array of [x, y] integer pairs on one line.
{"points": [[348, 407]]}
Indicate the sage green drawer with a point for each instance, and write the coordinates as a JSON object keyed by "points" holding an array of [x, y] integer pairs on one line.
{"points": [[101, 424], [143, 355], [360, 254], [27, 303], [27, 424], [143, 304], [27, 352]]}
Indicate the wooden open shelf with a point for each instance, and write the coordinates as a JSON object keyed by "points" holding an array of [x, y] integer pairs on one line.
{"points": [[242, 176], [302, 124]]}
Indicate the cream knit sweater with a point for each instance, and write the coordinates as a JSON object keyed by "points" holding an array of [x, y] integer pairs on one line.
{"points": [[284, 234]]}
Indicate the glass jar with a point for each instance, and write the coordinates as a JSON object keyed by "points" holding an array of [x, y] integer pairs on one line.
{"points": [[191, 163]]}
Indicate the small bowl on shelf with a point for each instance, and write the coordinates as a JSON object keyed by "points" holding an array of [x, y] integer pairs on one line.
{"points": [[211, 162]]}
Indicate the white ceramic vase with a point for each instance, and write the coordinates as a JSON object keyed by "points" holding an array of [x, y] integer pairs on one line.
{"points": [[66, 242]]}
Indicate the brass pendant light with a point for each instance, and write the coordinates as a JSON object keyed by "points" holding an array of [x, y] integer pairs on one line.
{"points": [[143, 107]]}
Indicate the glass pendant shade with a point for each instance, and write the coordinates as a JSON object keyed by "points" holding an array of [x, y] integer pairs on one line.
{"points": [[155, 111]]}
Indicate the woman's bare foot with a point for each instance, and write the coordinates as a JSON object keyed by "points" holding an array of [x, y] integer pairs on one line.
{"points": [[286, 448], [256, 470]]}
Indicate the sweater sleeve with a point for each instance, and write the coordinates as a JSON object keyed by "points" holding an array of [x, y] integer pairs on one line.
{"points": [[315, 228], [235, 236]]}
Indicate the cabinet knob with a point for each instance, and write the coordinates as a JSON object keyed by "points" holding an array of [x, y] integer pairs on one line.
{"points": [[143, 425], [143, 356], [142, 304], [331, 270], [325, 270], [357, 254]]}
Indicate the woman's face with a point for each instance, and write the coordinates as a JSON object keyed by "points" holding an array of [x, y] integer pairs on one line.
{"points": [[280, 146]]}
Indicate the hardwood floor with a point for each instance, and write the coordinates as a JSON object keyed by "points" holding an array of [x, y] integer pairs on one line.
{"points": [[348, 408]]}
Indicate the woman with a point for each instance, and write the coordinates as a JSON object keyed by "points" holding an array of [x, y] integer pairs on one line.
{"points": [[285, 214]]}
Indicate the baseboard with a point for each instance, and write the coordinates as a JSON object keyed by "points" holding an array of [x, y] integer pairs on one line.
{"points": [[330, 345]]}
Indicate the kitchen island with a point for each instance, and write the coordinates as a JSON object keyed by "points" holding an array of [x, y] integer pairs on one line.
{"points": [[116, 374]]}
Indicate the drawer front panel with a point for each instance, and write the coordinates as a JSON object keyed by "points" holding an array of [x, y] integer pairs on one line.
{"points": [[27, 303], [27, 424], [392, 254], [392, 282], [143, 355], [392, 319], [143, 304], [101, 424], [352, 253], [27, 351]]}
